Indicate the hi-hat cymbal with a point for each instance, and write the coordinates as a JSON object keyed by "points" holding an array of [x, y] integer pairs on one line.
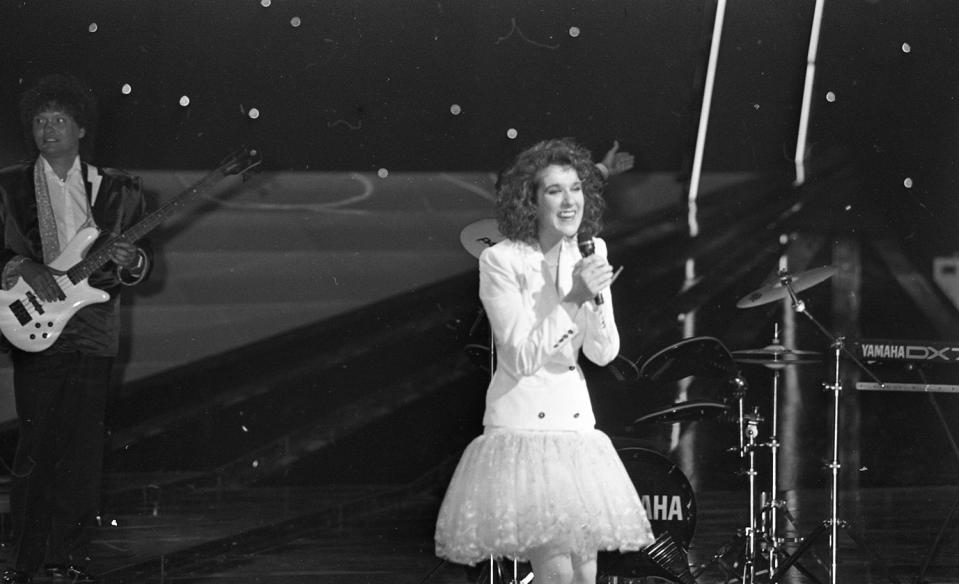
{"points": [[777, 356], [778, 291], [480, 235]]}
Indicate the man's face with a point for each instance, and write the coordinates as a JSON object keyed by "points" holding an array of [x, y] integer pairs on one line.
{"points": [[56, 133]]}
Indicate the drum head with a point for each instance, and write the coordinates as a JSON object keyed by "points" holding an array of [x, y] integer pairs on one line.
{"points": [[671, 507], [665, 492], [691, 411], [480, 235]]}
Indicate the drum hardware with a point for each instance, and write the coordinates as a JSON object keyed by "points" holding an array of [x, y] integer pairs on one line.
{"points": [[671, 508], [745, 542], [774, 357], [752, 430], [693, 357], [787, 287], [690, 411]]}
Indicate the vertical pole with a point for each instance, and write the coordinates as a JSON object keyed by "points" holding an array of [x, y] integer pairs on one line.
{"points": [[834, 466], [707, 100], [800, 157]]}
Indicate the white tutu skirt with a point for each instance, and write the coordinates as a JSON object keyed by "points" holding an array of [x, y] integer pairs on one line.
{"points": [[514, 491]]}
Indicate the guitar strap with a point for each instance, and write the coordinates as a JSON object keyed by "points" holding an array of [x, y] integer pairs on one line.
{"points": [[49, 239], [48, 223]]}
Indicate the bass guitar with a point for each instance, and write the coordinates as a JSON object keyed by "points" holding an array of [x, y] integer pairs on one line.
{"points": [[32, 325]]}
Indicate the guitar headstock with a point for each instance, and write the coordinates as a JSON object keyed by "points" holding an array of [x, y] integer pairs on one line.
{"points": [[242, 162]]}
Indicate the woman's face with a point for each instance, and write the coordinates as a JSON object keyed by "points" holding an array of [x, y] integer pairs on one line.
{"points": [[560, 200]]}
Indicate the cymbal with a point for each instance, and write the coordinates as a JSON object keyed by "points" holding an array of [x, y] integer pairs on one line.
{"points": [[777, 356], [690, 411], [778, 291], [480, 235]]}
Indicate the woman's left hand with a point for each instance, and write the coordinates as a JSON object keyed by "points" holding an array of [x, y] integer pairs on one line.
{"points": [[618, 162]]}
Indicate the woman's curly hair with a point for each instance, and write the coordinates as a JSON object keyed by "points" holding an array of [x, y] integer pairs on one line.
{"points": [[64, 92], [516, 204]]}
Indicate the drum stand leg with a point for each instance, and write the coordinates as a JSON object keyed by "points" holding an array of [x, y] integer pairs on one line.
{"points": [[744, 543], [771, 507], [749, 564], [833, 523]]}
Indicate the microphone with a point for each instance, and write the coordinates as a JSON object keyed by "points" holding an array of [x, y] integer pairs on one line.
{"points": [[588, 248]]}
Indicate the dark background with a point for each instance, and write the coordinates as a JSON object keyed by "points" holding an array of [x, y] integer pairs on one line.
{"points": [[362, 85]]}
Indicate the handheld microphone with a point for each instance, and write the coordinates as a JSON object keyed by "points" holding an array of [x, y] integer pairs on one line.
{"points": [[588, 248]]}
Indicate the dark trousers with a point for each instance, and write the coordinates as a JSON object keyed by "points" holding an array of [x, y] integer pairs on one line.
{"points": [[58, 467]]}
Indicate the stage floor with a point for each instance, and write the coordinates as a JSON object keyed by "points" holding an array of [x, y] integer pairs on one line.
{"points": [[384, 536]]}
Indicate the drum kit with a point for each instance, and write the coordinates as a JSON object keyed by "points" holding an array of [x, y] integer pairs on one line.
{"points": [[759, 550]]}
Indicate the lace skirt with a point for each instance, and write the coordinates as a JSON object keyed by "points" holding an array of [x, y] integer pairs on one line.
{"points": [[514, 491]]}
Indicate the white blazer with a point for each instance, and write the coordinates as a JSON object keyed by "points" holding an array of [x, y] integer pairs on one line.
{"points": [[538, 384]]}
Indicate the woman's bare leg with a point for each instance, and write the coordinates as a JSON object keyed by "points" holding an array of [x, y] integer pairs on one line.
{"points": [[551, 567]]}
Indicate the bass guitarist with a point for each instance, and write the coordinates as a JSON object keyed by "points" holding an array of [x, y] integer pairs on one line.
{"points": [[61, 391]]}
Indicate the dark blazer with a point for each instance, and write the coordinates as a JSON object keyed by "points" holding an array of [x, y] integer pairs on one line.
{"points": [[119, 203]]}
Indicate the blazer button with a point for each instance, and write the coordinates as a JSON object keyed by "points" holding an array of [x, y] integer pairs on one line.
{"points": [[542, 415], [572, 368], [576, 415]]}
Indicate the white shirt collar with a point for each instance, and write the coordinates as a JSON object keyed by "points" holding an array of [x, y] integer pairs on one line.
{"points": [[74, 169]]}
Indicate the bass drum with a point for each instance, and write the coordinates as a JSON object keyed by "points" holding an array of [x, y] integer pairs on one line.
{"points": [[671, 508]]}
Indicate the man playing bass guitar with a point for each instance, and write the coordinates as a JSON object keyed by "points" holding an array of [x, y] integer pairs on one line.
{"points": [[61, 390]]}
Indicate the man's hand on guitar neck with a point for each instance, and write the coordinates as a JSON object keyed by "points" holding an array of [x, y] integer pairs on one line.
{"points": [[124, 254], [42, 279]]}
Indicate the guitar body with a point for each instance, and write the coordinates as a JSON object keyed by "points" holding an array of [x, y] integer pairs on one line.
{"points": [[32, 325]]}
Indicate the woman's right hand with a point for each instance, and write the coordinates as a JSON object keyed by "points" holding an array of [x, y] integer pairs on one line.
{"points": [[591, 275], [41, 279]]}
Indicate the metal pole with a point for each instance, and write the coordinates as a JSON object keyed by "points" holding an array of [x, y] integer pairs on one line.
{"points": [[707, 100], [800, 157]]}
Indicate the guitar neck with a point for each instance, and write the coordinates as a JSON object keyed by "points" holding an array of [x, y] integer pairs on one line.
{"points": [[148, 223]]}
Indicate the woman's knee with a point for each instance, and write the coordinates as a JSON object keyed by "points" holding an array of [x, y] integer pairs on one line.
{"points": [[584, 569], [552, 568]]}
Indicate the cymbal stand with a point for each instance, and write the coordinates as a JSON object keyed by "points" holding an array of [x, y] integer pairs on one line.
{"points": [[747, 450], [751, 431], [833, 523], [771, 507]]}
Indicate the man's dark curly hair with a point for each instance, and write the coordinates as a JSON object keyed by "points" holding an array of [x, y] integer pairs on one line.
{"points": [[516, 205], [64, 92]]}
